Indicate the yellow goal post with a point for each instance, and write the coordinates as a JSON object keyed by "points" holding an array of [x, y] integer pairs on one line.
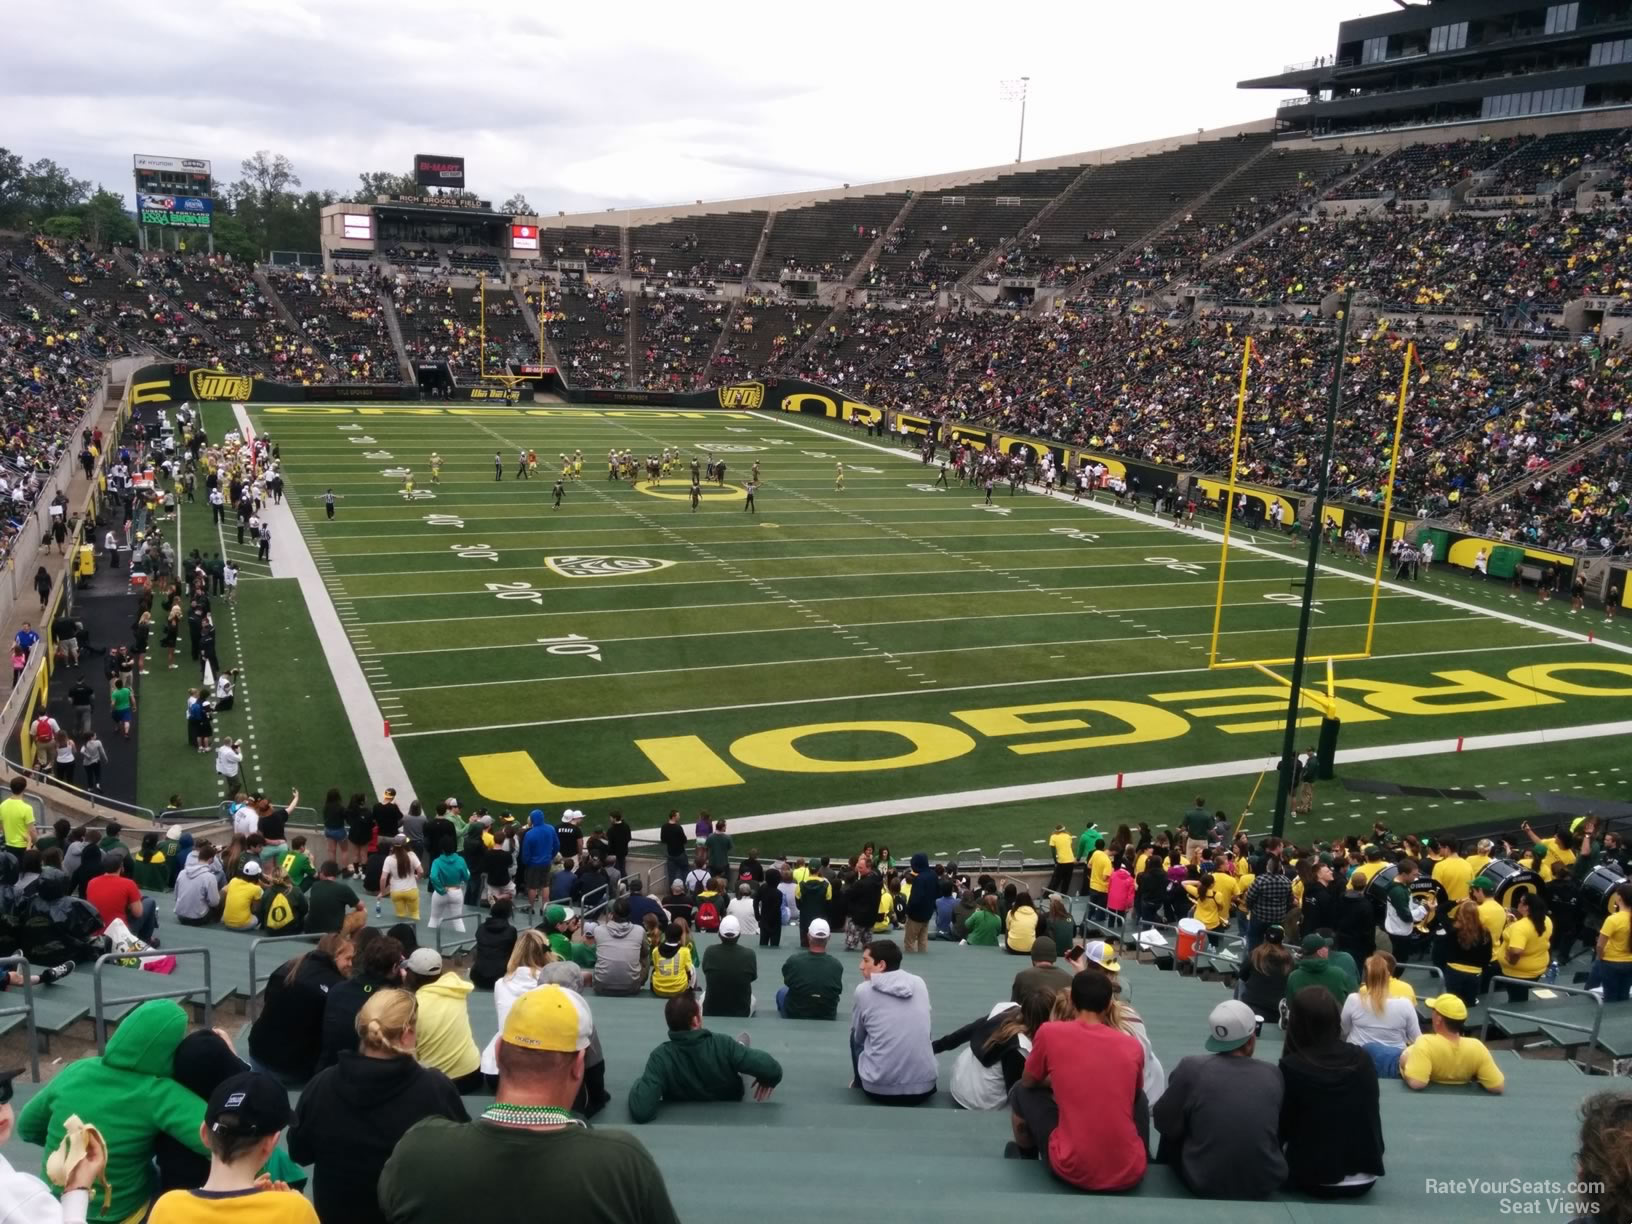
{"points": [[1213, 661]]}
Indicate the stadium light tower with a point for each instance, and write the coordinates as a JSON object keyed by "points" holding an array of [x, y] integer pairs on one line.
{"points": [[1015, 91]]}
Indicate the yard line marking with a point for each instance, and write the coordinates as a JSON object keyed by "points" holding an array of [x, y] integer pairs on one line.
{"points": [[960, 688]]}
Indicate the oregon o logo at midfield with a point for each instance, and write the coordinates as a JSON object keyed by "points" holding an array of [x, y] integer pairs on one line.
{"points": [[587, 566], [677, 488]]}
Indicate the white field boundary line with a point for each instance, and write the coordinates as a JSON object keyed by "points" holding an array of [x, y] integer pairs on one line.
{"points": [[626, 715], [379, 753], [1147, 636], [933, 620], [1100, 783], [1235, 542]]}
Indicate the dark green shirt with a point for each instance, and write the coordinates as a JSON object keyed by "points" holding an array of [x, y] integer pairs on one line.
{"points": [[719, 852], [729, 970], [1197, 823], [440, 1169], [814, 981], [327, 905]]}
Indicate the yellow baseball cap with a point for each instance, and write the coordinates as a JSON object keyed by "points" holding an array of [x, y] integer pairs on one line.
{"points": [[1449, 1006], [549, 1018]]}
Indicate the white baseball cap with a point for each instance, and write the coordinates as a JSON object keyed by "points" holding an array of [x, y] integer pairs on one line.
{"points": [[818, 928], [730, 928], [252, 868]]}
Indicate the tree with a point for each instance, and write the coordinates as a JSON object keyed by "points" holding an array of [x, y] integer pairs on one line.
{"points": [[373, 183], [64, 225], [11, 188], [105, 219], [268, 174], [231, 238], [517, 206], [49, 189]]}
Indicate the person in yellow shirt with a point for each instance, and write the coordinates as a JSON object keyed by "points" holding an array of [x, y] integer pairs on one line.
{"points": [[1526, 944], [1480, 858], [1373, 864], [1612, 964], [1214, 893], [1065, 859], [242, 895], [673, 969], [1453, 873], [1445, 1056], [242, 1122], [444, 1041], [1555, 856], [1099, 874], [1491, 914]]}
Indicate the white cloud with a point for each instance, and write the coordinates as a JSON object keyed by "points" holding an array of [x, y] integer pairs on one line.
{"points": [[604, 105]]}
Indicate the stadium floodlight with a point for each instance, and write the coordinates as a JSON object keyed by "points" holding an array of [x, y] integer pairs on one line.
{"points": [[1016, 91]]}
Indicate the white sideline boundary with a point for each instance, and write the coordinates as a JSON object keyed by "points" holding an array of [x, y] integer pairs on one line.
{"points": [[294, 560], [1098, 783]]}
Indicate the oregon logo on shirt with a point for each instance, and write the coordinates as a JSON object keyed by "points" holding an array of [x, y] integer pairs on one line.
{"points": [[603, 567]]}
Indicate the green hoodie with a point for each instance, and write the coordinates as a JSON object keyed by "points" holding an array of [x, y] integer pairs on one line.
{"points": [[1319, 971], [697, 1065], [128, 1095]]}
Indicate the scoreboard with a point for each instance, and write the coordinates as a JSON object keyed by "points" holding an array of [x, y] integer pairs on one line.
{"points": [[174, 191]]}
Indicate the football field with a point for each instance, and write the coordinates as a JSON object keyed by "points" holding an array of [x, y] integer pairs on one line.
{"points": [[894, 648]]}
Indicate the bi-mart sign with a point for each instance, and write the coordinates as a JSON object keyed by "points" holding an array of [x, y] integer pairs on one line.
{"points": [[688, 762]]}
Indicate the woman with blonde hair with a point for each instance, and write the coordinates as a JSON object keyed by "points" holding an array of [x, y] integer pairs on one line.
{"points": [[1099, 957], [351, 1115], [1379, 1021]]}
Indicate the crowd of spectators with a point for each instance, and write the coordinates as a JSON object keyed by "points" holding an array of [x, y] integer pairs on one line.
{"points": [[677, 333], [1415, 171], [1282, 1091], [1488, 405], [342, 333]]}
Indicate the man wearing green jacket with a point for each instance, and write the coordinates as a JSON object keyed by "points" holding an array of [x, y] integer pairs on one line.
{"points": [[1319, 967], [128, 1095], [697, 1065]]}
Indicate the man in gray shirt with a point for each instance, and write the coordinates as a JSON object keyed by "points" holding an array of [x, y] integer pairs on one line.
{"points": [[1219, 1118]]}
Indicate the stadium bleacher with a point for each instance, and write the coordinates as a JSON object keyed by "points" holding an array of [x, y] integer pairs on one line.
{"points": [[594, 245], [675, 333], [1415, 171], [696, 252], [343, 329], [828, 238]]}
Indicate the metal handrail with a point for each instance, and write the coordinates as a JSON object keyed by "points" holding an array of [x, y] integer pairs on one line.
{"points": [[1530, 1017], [102, 1002], [26, 1011], [463, 939], [254, 946], [1433, 972]]}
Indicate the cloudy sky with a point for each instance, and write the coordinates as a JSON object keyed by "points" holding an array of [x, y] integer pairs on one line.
{"points": [[605, 105]]}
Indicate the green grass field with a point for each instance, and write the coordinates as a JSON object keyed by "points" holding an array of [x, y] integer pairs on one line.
{"points": [[892, 653]]}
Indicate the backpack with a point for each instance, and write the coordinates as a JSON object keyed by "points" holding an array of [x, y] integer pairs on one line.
{"points": [[44, 733], [708, 916], [279, 912]]}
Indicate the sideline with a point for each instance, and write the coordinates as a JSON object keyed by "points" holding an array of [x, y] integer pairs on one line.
{"points": [[1147, 777], [294, 560]]}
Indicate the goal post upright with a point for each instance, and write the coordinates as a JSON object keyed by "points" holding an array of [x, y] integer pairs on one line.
{"points": [[1388, 493], [1229, 502]]}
